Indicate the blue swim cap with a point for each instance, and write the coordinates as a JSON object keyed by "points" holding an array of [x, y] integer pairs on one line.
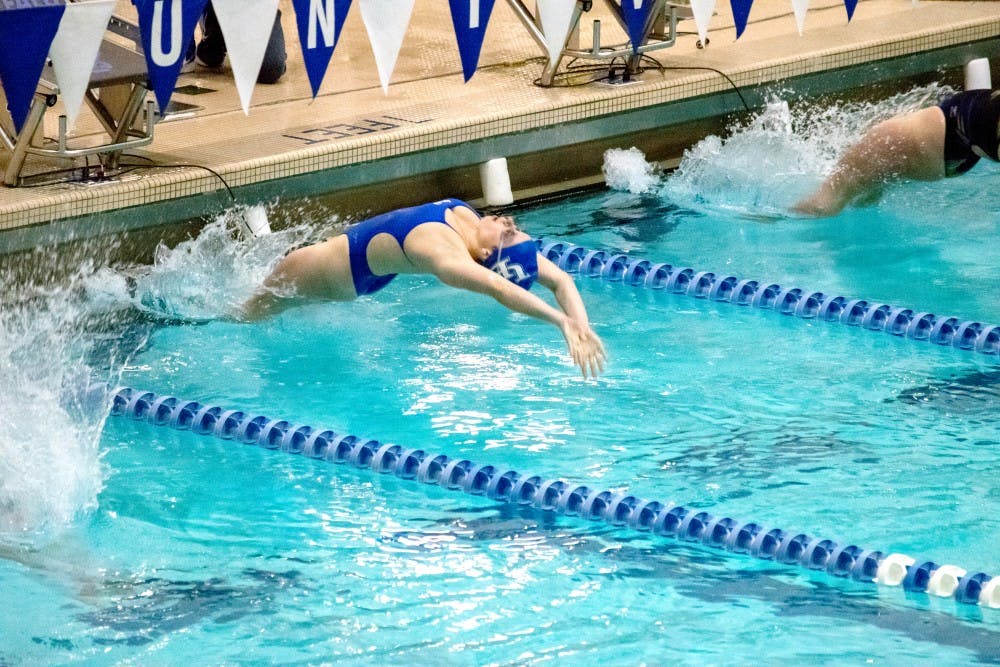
{"points": [[517, 263]]}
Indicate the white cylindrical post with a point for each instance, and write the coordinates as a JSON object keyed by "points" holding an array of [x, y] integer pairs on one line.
{"points": [[496, 182], [977, 74], [255, 219]]}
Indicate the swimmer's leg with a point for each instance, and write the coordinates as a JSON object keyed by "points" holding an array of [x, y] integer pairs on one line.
{"points": [[319, 272], [909, 146], [262, 305]]}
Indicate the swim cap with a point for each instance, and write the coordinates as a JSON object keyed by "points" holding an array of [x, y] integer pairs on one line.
{"points": [[517, 263]]}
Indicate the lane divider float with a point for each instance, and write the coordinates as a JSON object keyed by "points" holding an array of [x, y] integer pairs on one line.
{"points": [[555, 495], [806, 304]]}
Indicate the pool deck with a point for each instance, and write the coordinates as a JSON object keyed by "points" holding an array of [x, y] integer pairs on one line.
{"points": [[365, 150]]}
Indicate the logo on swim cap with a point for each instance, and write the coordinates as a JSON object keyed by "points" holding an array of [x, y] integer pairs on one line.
{"points": [[518, 263]]}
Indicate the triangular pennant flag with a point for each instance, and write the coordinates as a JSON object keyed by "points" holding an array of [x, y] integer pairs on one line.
{"points": [[702, 10], [319, 23], [167, 27], [636, 15], [800, 7], [741, 12], [25, 33], [74, 50], [386, 22], [246, 27], [470, 18], [849, 5], [556, 17]]}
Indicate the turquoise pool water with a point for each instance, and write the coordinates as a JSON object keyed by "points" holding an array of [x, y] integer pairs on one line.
{"points": [[127, 543]]}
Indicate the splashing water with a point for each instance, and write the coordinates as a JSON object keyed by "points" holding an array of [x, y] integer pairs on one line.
{"points": [[50, 463], [767, 165], [628, 170], [201, 279], [64, 343], [763, 168]]}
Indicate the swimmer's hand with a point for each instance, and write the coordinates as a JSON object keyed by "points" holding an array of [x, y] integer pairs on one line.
{"points": [[585, 347]]}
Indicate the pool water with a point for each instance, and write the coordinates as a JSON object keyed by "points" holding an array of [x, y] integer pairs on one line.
{"points": [[127, 543]]}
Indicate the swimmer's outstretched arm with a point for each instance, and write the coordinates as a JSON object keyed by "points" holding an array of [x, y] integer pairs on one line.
{"points": [[585, 347]]}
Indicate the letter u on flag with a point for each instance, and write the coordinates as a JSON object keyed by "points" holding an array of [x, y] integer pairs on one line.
{"points": [[26, 32], [319, 23], [470, 18], [167, 27]]}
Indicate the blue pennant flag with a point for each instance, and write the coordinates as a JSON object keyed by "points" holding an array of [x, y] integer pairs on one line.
{"points": [[850, 5], [26, 31], [470, 18], [167, 28], [636, 15], [741, 11], [319, 23]]}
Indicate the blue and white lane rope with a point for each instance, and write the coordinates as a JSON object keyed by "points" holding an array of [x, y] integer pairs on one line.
{"points": [[873, 315], [555, 495]]}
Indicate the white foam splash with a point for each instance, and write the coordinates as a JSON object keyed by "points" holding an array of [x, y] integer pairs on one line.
{"points": [[50, 462], [62, 336], [204, 278], [628, 170], [780, 155]]}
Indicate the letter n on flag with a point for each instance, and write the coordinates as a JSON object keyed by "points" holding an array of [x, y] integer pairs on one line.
{"points": [[319, 23], [26, 32], [167, 27], [470, 18], [636, 15]]}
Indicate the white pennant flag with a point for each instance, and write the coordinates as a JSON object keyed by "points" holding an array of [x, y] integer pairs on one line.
{"points": [[702, 10], [74, 50], [386, 22], [246, 27], [800, 7], [556, 17]]}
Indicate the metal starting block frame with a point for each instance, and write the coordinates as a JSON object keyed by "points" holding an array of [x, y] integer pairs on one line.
{"points": [[118, 69], [660, 32]]}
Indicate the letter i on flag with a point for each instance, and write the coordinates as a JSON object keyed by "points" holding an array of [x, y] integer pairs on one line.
{"points": [[167, 27], [470, 18], [319, 23], [25, 36], [636, 15]]}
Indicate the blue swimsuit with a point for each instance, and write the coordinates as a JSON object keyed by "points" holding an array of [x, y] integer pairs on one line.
{"points": [[398, 224]]}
